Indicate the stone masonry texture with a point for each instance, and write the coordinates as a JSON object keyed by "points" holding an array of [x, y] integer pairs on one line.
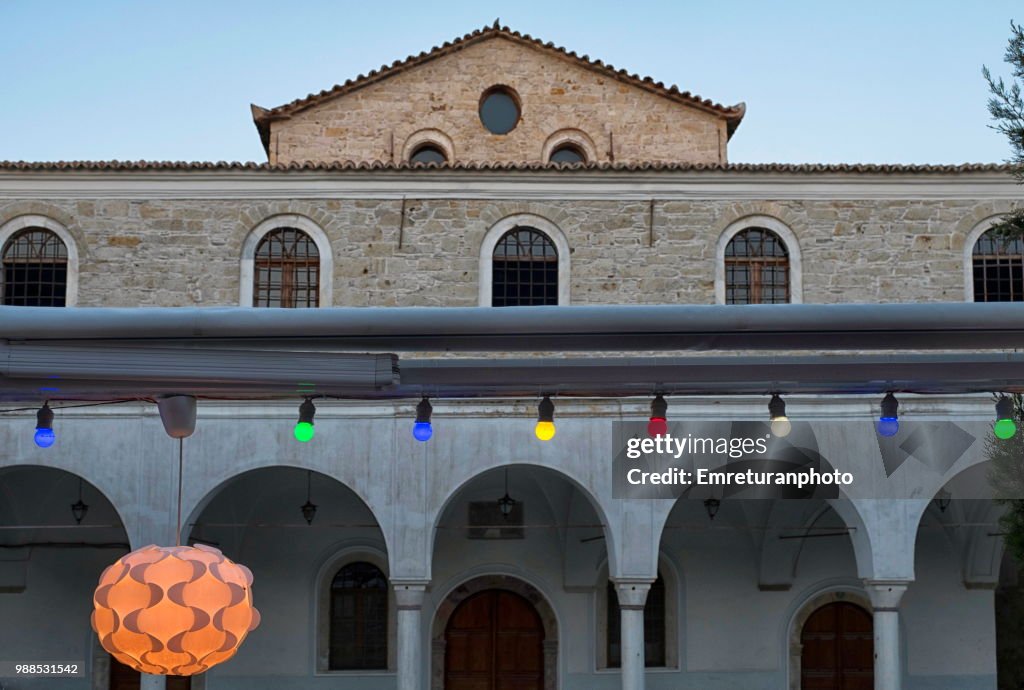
{"points": [[383, 119], [187, 252]]}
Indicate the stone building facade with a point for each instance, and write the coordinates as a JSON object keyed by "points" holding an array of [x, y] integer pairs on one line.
{"points": [[646, 217], [664, 249]]}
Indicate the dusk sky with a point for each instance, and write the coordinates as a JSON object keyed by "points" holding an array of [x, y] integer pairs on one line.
{"points": [[826, 82]]}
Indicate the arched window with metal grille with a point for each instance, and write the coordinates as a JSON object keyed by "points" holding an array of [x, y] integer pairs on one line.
{"points": [[524, 269], [286, 270], [756, 268], [998, 266], [655, 630], [359, 618], [34, 269]]}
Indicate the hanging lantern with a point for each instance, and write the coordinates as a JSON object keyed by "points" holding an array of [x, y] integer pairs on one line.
{"points": [[174, 610]]}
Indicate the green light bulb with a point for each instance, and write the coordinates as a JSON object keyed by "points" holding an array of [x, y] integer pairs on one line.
{"points": [[1005, 428], [304, 432]]}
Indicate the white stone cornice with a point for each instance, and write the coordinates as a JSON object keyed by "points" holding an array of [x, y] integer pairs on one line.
{"points": [[528, 185]]}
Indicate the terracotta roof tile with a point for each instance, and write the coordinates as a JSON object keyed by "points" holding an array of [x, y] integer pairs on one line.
{"points": [[567, 168], [733, 114]]}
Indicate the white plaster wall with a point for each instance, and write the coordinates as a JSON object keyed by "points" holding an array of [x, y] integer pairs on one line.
{"points": [[733, 634], [949, 629]]}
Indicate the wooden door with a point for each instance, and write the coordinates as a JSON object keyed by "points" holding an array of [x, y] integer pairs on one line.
{"points": [[838, 649], [494, 641], [124, 678]]}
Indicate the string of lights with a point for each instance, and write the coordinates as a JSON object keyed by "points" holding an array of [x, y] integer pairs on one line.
{"points": [[888, 425]]}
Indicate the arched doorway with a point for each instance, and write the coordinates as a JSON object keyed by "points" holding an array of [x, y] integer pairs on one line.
{"points": [[494, 640], [837, 648], [526, 609]]}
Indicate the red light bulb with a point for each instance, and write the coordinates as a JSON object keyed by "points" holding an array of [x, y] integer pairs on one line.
{"points": [[658, 426]]}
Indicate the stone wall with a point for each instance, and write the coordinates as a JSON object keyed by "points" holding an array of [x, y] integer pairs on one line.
{"points": [[187, 252], [381, 120]]}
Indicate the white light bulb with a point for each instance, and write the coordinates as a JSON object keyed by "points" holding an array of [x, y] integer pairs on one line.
{"points": [[781, 427]]}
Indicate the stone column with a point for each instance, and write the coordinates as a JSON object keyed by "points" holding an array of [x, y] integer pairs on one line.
{"points": [[149, 682], [409, 602], [632, 597], [885, 600]]}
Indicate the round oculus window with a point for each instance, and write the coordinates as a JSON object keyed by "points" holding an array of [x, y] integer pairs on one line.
{"points": [[499, 110]]}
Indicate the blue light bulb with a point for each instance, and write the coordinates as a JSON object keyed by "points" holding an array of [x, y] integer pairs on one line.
{"points": [[422, 431], [888, 426], [45, 438]]}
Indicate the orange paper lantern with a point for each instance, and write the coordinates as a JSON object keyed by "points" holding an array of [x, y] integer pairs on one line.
{"points": [[174, 610]]}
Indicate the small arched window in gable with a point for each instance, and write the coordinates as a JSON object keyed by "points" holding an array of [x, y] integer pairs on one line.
{"points": [[359, 618], [35, 269], [568, 153], [428, 153], [286, 270], [525, 269], [756, 268], [655, 630], [998, 264]]}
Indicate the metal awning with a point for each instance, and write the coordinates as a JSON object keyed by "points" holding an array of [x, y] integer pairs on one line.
{"points": [[805, 327], [237, 353], [516, 378]]}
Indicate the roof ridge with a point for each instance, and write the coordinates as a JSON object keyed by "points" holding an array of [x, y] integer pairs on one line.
{"points": [[263, 116]]}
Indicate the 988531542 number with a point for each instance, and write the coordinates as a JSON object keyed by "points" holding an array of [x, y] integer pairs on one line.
{"points": [[41, 669]]}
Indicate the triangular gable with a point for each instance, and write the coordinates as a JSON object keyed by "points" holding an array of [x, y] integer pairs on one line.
{"points": [[262, 117]]}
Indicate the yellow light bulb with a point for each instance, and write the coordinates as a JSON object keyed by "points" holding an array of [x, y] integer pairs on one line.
{"points": [[545, 431]]}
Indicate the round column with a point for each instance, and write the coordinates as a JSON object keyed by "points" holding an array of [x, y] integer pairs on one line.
{"points": [[632, 597], [409, 604], [885, 601]]}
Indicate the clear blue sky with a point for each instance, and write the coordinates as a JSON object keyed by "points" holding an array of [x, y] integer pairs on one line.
{"points": [[824, 81]]}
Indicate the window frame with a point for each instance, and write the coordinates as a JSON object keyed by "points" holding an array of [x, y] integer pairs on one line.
{"points": [[568, 146], [291, 268], [970, 242], [756, 267], [431, 137], [360, 596], [278, 222], [512, 94], [354, 553], [428, 145], [524, 261], [569, 136], [785, 235], [498, 231], [31, 221]]}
